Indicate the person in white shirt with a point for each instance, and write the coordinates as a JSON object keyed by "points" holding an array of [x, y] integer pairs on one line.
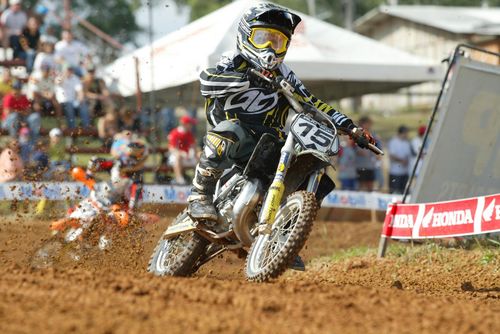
{"points": [[13, 20], [69, 94], [416, 143], [72, 52], [41, 90], [399, 154], [46, 55]]}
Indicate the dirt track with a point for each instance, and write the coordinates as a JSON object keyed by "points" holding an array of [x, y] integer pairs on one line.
{"points": [[112, 294]]}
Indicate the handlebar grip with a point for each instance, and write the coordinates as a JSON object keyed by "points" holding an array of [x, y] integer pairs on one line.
{"points": [[351, 133], [375, 149]]}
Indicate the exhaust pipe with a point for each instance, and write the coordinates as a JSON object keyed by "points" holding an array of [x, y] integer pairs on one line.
{"points": [[243, 210]]}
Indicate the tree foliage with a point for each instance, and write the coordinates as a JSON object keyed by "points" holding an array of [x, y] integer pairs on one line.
{"points": [[115, 17]]}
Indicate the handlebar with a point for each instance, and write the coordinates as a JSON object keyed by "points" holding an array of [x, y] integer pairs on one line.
{"points": [[287, 90], [353, 134]]}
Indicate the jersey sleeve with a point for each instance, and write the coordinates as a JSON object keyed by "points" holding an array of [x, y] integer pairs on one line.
{"points": [[305, 96], [217, 83], [226, 78]]}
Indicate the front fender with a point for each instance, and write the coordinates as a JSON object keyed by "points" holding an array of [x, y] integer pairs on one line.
{"points": [[305, 163]]}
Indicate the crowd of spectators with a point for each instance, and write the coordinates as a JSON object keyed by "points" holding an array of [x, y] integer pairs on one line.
{"points": [[359, 169], [61, 82]]}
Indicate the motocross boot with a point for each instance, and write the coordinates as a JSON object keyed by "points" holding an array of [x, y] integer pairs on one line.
{"points": [[298, 264], [200, 201]]}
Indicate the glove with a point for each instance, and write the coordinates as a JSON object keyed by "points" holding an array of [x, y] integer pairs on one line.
{"points": [[262, 83], [362, 137]]}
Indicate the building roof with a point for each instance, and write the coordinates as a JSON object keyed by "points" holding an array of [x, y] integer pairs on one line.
{"points": [[458, 20]]}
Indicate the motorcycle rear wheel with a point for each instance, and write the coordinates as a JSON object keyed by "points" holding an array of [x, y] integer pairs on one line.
{"points": [[271, 254], [179, 255]]}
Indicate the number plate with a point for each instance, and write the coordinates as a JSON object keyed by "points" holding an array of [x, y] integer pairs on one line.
{"points": [[313, 135]]}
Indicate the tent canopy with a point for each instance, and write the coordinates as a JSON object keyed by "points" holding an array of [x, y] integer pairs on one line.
{"points": [[331, 61]]}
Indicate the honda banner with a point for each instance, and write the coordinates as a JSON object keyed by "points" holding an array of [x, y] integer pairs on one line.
{"points": [[443, 219]]}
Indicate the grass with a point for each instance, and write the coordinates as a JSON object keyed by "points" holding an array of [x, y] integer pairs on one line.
{"points": [[486, 249]]}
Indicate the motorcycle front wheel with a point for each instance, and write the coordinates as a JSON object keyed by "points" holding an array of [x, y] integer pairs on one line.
{"points": [[271, 254], [177, 256]]}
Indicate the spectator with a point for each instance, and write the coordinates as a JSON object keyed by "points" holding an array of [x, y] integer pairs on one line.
{"points": [[95, 93], [59, 160], [107, 126], [41, 90], [37, 167], [181, 145], [128, 120], [6, 83], [347, 173], [4, 4], [72, 52], [11, 164], [17, 109], [46, 54], [29, 42], [13, 20], [399, 154], [58, 163], [167, 120], [416, 143], [365, 161], [69, 94], [25, 145]]}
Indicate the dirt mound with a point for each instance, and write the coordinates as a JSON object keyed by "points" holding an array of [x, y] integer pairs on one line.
{"points": [[113, 294]]}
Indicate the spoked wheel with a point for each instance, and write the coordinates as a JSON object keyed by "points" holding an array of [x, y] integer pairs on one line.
{"points": [[177, 256], [45, 256], [271, 254], [55, 251]]}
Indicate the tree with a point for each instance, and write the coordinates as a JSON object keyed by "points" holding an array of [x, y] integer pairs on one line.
{"points": [[115, 17]]}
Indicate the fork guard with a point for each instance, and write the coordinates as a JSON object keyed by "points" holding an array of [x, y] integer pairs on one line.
{"points": [[306, 162]]}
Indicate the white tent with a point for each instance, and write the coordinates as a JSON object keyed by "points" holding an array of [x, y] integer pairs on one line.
{"points": [[331, 61]]}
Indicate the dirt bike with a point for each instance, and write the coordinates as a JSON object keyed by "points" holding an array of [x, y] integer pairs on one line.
{"points": [[267, 207], [88, 226]]}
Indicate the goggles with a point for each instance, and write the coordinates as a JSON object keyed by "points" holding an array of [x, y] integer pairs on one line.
{"points": [[262, 38]]}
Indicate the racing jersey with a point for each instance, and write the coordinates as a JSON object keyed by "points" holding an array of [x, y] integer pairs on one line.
{"points": [[125, 186], [229, 94]]}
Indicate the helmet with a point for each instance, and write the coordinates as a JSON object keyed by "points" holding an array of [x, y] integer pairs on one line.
{"points": [[264, 34], [137, 150]]}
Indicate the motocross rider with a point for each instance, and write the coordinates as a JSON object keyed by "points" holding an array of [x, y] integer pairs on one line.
{"points": [[127, 175], [241, 108]]}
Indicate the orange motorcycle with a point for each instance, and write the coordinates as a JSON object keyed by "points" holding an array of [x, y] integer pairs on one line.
{"points": [[90, 225]]}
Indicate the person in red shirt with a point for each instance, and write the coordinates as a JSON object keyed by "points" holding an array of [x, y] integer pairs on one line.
{"points": [[181, 146], [16, 110]]}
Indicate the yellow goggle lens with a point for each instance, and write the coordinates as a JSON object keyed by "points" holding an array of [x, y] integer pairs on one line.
{"points": [[264, 37]]}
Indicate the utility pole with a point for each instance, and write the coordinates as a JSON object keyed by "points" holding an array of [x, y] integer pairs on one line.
{"points": [[349, 14], [311, 6], [67, 14], [152, 101]]}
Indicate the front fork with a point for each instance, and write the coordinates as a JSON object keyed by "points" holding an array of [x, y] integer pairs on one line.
{"points": [[275, 192], [277, 188]]}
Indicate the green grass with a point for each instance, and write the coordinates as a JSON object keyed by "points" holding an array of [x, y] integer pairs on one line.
{"points": [[488, 250]]}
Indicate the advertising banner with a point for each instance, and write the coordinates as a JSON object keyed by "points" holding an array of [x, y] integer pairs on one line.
{"points": [[165, 194], [443, 219]]}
